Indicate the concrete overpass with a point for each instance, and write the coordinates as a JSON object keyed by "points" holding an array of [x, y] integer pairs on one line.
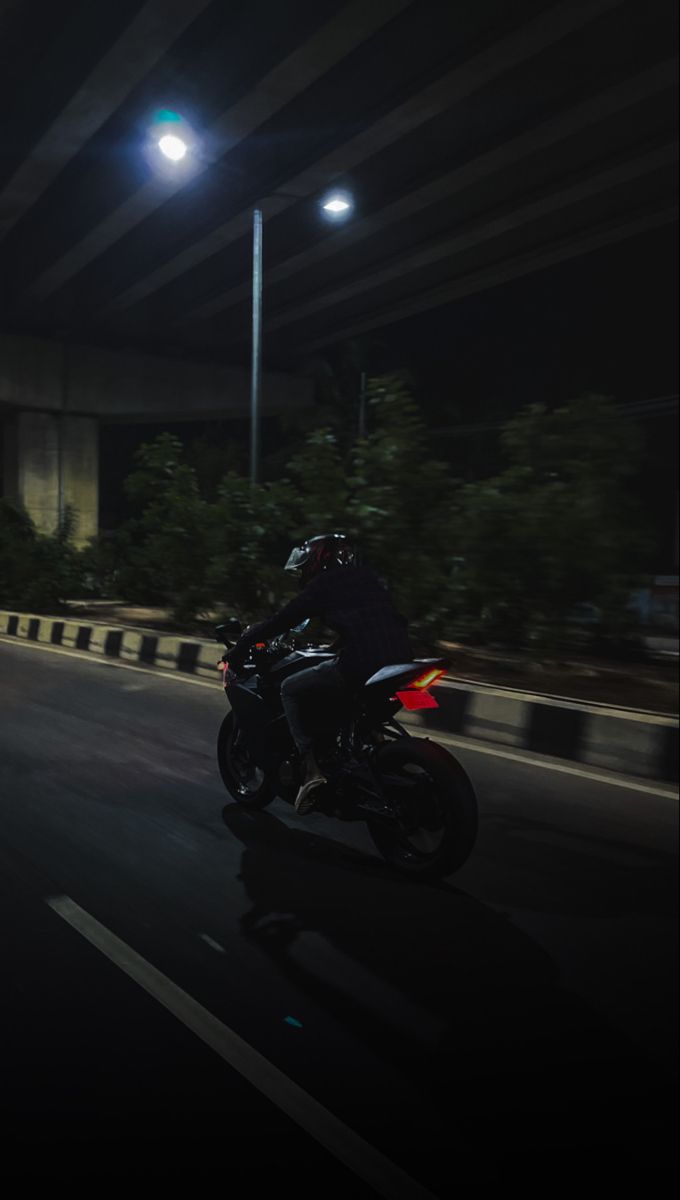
{"points": [[55, 397], [482, 141]]}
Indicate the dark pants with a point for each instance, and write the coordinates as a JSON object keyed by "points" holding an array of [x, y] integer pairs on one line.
{"points": [[312, 700]]}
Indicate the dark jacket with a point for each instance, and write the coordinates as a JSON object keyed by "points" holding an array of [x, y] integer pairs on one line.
{"points": [[352, 601]]}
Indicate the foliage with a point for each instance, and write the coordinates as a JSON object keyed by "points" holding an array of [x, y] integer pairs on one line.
{"points": [[249, 542], [167, 543], [402, 505], [503, 559], [37, 572], [555, 528]]}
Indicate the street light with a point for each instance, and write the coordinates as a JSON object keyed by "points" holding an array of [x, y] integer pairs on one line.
{"points": [[336, 205], [170, 134], [172, 147]]}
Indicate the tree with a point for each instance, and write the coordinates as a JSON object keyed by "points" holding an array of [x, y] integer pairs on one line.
{"points": [[403, 504], [37, 571], [166, 547], [317, 474], [504, 558], [388, 495], [556, 527], [250, 534]]}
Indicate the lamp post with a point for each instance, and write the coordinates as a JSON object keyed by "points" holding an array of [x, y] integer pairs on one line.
{"points": [[256, 348], [336, 206]]}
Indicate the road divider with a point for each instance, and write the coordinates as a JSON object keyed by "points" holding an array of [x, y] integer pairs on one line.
{"points": [[618, 739]]}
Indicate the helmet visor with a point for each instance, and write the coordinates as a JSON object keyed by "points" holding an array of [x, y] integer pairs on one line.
{"points": [[297, 559]]}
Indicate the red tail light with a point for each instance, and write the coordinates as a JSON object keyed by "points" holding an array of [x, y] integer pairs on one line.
{"points": [[427, 680], [413, 699], [417, 694]]}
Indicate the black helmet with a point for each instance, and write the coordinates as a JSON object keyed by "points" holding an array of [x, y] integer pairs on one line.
{"points": [[319, 554]]}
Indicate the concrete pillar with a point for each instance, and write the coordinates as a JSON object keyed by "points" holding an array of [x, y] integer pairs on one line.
{"points": [[80, 472], [51, 462], [33, 467]]}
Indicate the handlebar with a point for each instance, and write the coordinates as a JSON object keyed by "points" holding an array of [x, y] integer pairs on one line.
{"points": [[263, 654]]}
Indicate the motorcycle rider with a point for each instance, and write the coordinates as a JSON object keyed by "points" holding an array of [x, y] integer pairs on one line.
{"points": [[347, 598]]}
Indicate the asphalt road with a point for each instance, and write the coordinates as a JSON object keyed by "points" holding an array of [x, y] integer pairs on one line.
{"points": [[512, 1026]]}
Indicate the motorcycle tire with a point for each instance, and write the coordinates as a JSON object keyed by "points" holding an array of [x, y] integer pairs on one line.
{"points": [[437, 812], [245, 782]]}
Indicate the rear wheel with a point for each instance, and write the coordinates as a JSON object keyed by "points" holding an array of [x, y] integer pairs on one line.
{"points": [[435, 807], [246, 782]]}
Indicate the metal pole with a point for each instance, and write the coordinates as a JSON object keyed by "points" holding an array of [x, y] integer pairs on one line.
{"points": [[362, 406], [257, 345], [61, 489]]}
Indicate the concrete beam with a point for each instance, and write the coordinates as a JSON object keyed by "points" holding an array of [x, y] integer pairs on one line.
{"points": [[114, 386], [509, 153], [354, 24], [448, 248], [156, 26], [512, 268], [509, 52]]}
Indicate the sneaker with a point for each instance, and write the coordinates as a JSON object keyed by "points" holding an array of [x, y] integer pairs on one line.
{"points": [[305, 799]]}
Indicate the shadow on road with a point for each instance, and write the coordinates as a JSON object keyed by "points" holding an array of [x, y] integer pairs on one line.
{"points": [[467, 1005]]}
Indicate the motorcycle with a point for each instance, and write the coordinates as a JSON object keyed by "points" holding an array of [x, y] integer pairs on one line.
{"points": [[415, 797]]}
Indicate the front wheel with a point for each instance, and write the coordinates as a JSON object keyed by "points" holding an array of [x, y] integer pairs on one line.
{"points": [[246, 782], [435, 807]]}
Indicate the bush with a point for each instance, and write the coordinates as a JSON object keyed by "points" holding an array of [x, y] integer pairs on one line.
{"points": [[502, 560], [387, 494], [37, 572], [553, 530], [250, 533], [160, 556]]}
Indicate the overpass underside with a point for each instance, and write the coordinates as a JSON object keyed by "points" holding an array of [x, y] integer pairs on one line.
{"points": [[55, 398]]}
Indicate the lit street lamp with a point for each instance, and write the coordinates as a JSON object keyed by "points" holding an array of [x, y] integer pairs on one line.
{"points": [[172, 147], [336, 206]]}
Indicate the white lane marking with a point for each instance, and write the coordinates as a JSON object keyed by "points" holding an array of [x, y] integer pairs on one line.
{"points": [[205, 937], [384, 1176], [554, 700], [475, 748], [422, 730]]}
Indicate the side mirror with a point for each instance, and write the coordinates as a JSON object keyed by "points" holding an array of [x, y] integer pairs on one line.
{"points": [[229, 632]]}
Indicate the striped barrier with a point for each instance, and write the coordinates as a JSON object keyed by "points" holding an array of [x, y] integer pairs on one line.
{"points": [[635, 743]]}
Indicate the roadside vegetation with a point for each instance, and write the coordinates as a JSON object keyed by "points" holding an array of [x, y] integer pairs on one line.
{"points": [[505, 560]]}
